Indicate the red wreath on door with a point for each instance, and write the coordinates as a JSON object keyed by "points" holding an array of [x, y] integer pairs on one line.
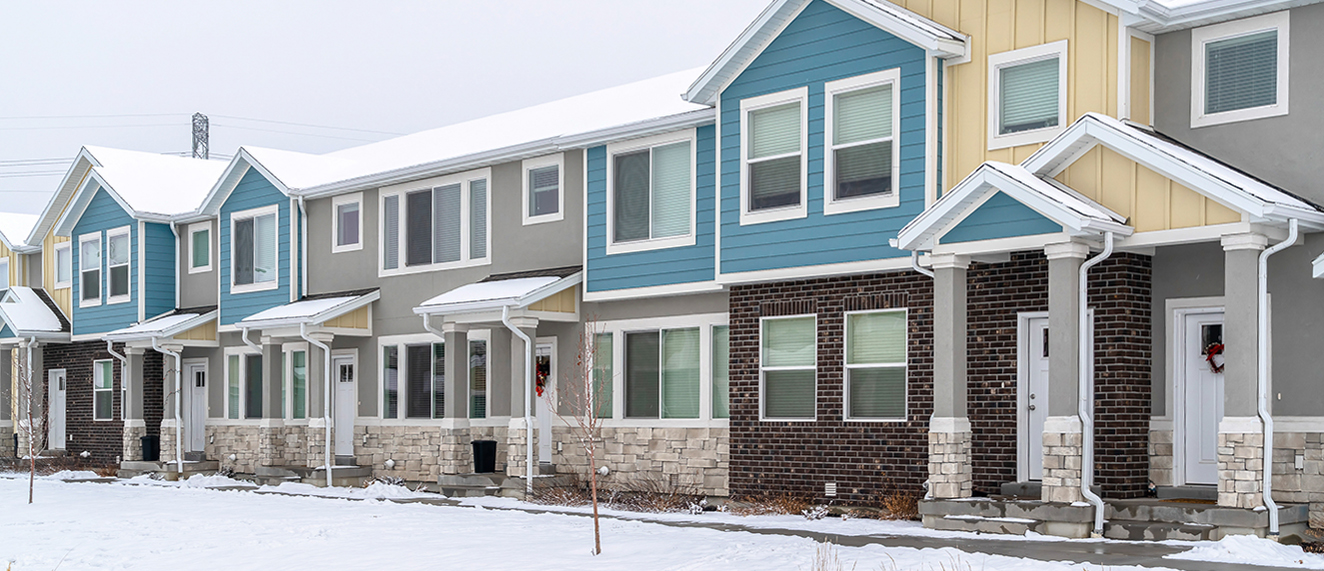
{"points": [[1213, 354]]}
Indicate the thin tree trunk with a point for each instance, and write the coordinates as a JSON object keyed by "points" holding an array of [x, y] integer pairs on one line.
{"points": [[593, 482], [32, 457]]}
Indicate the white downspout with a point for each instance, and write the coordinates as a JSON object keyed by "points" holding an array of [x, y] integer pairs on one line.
{"points": [[326, 396], [914, 263], [528, 398], [303, 247], [179, 441], [1085, 398], [178, 262], [1262, 374], [124, 379], [251, 345]]}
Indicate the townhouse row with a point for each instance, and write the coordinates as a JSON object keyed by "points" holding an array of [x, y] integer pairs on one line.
{"points": [[828, 264]]}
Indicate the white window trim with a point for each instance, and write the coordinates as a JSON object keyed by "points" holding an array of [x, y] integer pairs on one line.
{"points": [[1200, 37], [287, 379], [96, 369], [194, 229], [68, 246], [687, 239], [101, 271], [557, 159], [483, 335], [846, 367], [466, 223], [4, 262], [105, 257], [763, 381], [245, 215], [799, 95], [243, 353], [996, 63], [618, 330], [832, 205], [336, 203], [402, 370]]}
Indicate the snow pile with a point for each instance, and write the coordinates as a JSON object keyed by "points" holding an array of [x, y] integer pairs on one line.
{"points": [[1253, 550], [213, 481], [375, 491], [71, 475]]}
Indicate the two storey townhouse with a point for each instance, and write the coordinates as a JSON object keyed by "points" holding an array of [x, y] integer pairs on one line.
{"points": [[12, 275]]}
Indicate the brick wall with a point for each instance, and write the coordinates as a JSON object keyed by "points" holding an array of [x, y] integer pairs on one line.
{"points": [[1121, 295], [103, 439], [864, 459]]}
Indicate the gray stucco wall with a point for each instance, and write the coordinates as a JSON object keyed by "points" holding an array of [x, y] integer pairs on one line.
{"points": [[1281, 150], [1189, 270], [33, 267], [199, 289]]}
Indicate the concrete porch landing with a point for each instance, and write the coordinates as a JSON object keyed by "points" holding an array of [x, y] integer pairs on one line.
{"points": [[169, 470], [1141, 519]]}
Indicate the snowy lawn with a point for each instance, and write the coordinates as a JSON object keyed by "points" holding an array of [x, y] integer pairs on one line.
{"points": [[144, 524]]}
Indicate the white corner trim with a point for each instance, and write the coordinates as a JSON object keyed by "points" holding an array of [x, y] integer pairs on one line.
{"points": [[996, 63], [831, 204], [557, 159], [1201, 37], [800, 96]]}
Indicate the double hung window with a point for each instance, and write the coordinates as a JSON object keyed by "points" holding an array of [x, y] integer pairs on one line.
{"points": [[876, 365], [862, 155], [103, 383], [1239, 69], [89, 269], [435, 227], [346, 222], [64, 265], [773, 186], [652, 193], [117, 262], [1027, 95], [788, 359], [199, 245], [542, 190], [253, 249]]}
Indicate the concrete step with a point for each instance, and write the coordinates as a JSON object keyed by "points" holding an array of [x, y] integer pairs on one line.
{"points": [[1157, 531], [346, 461], [1000, 525], [1197, 492], [469, 491], [479, 480]]}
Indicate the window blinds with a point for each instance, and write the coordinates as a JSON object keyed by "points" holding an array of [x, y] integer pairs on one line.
{"points": [[630, 202], [862, 115], [773, 132], [721, 372], [390, 382], [232, 389], [253, 386], [1242, 72], [299, 383], [391, 232], [418, 228], [680, 373], [641, 375], [543, 190], [264, 268], [875, 363], [418, 381], [478, 379], [789, 356], [602, 375], [478, 219], [446, 229], [1027, 95], [438, 380], [671, 190]]}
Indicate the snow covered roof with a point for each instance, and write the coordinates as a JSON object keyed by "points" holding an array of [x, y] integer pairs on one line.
{"points": [[1076, 213], [167, 325], [15, 227], [55, 206], [148, 186], [1158, 16], [907, 25], [515, 292], [27, 312], [1211, 177], [311, 310], [632, 110]]}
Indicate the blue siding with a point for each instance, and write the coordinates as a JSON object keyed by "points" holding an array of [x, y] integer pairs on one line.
{"points": [[159, 281], [254, 191], [1000, 217], [102, 214], [687, 264], [6, 332], [822, 44]]}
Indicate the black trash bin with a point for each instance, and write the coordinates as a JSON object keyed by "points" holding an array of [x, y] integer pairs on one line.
{"points": [[484, 456], [151, 448]]}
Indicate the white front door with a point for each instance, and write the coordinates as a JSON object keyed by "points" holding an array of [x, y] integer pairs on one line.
{"points": [[196, 430], [1035, 397], [346, 404], [1203, 399], [544, 364], [55, 410]]}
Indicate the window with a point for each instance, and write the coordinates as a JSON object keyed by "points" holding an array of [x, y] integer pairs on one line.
{"points": [[4, 273], [252, 386], [103, 384], [603, 378], [243, 386], [788, 362], [1239, 70], [478, 379], [862, 154], [199, 247], [89, 265], [390, 382], [651, 198], [425, 376], [442, 225], [876, 365], [117, 260], [253, 249], [296, 375], [774, 168], [542, 190], [64, 265], [1027, 95], [232, 387], [346, 222], [662, 374], [721, 372]]}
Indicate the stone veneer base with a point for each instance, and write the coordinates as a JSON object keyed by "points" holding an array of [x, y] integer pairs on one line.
{"points": [[950, 465], [1240, 469], [1063, 448]]}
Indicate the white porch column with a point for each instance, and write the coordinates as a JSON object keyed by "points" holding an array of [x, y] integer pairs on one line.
{"points": [[31, 404], [6, 402], [317, 381], [456, 450], [1240, 432], [131, 376], [1063, 440], [949, 429]]}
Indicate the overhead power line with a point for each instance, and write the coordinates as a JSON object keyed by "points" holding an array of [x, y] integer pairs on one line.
{"points": [[31, 174], [233, 126], [308, 125], [86, 127], [21, 117]]}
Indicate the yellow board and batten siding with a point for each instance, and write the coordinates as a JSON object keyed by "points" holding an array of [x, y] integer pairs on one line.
{"points": [[357, 319], [1150, 200], [204, 332], [560, 302], [63, 296]]}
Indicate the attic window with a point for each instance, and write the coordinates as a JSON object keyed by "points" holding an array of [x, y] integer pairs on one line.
{"points": [[1027, 95], [1239, 70]]}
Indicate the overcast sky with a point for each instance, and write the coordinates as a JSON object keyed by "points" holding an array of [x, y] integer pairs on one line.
{"points": [[129, 74]]}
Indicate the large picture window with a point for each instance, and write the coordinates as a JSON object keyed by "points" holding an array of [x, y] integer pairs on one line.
{"points": [[254, 249], [876, 365], [117, 262], [103, 394], [442, 225], [862, 148], [788, 368], [1027, 95], [1239, 69], [89, 270], [666, 371], [773, 185], [651, 193]]}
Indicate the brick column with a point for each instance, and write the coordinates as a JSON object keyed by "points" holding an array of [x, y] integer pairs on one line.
{"points": [[134, 387], [1240, 432], [949, 428], [1063, 442]]}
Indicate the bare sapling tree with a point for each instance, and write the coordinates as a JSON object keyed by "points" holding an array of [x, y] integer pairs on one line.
{"points": [[586, 395], [33, 429]]}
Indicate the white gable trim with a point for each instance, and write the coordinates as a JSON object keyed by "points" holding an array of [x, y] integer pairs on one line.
{"points": [[239, 165], [55, 207], [83, 198], [935, 38]]}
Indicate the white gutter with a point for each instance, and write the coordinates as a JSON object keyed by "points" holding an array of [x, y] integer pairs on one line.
{"points": [[1262, 374], [528, 398], [1085, 399], [179, 442], [326, 396], [427, 326], [303, 247]]}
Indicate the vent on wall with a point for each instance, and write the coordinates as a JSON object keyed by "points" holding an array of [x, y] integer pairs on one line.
{"points": [[830, 489]]}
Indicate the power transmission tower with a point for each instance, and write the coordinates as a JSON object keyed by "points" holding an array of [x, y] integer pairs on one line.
{"points": [[200, 128]]}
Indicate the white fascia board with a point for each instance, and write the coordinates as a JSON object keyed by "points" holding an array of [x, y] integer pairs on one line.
{"points": [[239, 165], [1160, 19], [50, 215], [520, 302], [705, 89], [316, 319], [82, 198], [679, 121], [170, 331]]}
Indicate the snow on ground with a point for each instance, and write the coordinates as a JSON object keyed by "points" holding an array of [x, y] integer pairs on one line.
{"points": [[1253, 550], [117, 526]]}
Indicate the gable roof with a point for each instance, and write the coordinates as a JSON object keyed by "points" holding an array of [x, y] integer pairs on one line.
{"points": [[514, 290], [79, 169], [907, 25], [14, 229], [148, 186], [30, 312], [169, 324]]}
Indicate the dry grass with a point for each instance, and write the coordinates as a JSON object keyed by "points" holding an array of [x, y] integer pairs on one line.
{"points": [[652, 494], [107, 471], [769, 503], [48, 466], [900, 505], [826, 558]]}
